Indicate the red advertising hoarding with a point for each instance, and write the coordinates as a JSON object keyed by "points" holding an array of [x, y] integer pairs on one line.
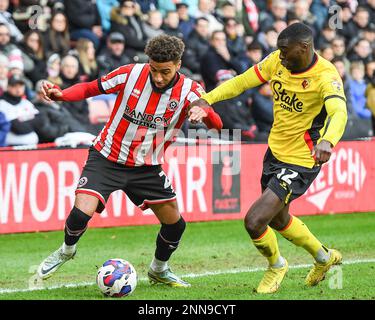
{"points": [[212, 183]]}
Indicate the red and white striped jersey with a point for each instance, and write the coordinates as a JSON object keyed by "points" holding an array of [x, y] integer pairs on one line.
{"points": [[143, 122]]}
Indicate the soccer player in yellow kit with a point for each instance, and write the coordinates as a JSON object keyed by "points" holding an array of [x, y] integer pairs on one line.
{"points": [[307, 92]]}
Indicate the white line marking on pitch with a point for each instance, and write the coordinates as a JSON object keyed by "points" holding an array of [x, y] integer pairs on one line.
{"points": [[190, 275]]}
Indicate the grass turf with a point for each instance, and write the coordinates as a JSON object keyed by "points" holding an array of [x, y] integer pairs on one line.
{"points": [[206, 247]]}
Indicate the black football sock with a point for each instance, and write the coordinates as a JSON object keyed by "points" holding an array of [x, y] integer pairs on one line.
{"points": [[75, 226], [168, 239]]}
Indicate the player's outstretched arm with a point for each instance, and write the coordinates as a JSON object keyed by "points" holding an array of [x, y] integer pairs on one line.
{"points": [[233, 87], [76, 92]]}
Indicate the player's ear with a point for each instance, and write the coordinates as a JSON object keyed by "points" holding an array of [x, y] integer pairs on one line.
{"points": [[178, 65], [304, 46]]}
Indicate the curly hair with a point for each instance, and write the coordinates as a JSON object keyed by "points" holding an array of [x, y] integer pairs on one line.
{"points": [[165, 48]]}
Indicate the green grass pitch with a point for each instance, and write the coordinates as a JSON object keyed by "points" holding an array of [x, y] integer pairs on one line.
{"points": [[217, 258]]}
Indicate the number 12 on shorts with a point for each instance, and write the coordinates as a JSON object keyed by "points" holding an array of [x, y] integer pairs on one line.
{"points": [[287, 175]]}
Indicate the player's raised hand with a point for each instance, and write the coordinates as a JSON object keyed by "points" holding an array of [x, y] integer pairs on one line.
{"points": [[322, 152], [195, 115], [51, 92]]}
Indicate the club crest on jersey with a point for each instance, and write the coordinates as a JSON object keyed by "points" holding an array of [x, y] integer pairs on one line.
{"points": [[136, 93], [305, 84], [279, 73], [82, 182], [172, 105], [336, 85]]}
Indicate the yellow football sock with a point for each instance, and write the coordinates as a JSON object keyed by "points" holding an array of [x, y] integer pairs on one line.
{"points": [[267, 246], [300, 235]]}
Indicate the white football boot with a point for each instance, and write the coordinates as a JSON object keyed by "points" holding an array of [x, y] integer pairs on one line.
{"points": [[53, 262]]}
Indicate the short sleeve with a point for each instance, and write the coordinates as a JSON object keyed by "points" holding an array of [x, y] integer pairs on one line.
{"points": [[113, 81], [265, 68], [195, 93]]}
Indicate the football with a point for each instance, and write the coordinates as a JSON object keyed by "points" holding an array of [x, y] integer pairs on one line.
{"points": [[116, 278]]}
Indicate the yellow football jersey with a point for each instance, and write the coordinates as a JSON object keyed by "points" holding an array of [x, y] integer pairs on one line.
{"points": [[300, 116]]}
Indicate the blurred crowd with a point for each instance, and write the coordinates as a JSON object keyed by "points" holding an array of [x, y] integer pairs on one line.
{"points": [[71, 41]]}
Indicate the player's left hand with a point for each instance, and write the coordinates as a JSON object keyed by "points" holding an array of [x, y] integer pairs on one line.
{"points": [[196, 114], [322, 152]]}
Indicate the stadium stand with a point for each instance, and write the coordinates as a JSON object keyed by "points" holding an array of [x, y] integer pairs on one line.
{"points": [[110, 33]]}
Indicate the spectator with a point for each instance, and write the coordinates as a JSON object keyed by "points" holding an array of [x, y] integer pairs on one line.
{"points": [[4, 63], [235, 113], [53, 69], [226, 10], [370, 6], [171, 5], [125, 20], [235, 42], [104, 8], [19, 112], [279, 25], [4, 129], [206, 10], [357, 88], [5, 45], [262, 110], [279, 9], [268, 40], [339, 51], [361, 51], [370, 69], [113, 55], [326, 36], [186, 22], [217, 58], [370, 95], [197, 45], [148, 5], [17, 67], [88, 68], [341, 69], [33, 55], [254, 54], [320, 10], [302, 11], [327, 52], [353, 28], [57, 37], [6, 18], [369, 35], [170, 25], [152, 27], [79, 109], [53, 119], [84, 20]]}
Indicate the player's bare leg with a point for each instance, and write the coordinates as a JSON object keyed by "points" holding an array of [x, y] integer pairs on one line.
{"points": [[294, 230], [261, 213], [76, 224], [172, 228]]}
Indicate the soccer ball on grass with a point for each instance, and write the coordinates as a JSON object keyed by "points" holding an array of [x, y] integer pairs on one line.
{"points": [[116, 278]]}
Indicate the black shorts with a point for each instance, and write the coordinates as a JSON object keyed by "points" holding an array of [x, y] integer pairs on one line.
{"points": [[288, 181], [143, 185]]}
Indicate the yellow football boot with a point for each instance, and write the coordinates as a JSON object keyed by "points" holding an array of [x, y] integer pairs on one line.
{"points": [[272, 279], [318, 272]]}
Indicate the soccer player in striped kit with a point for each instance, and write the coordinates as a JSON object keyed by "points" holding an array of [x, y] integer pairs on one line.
{"points": [[152, 103]]}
